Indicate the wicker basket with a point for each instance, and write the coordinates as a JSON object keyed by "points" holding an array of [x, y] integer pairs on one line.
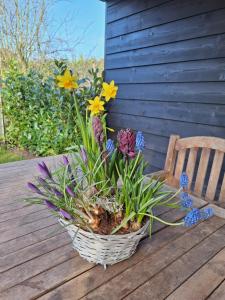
{"points": [[104, 249]]}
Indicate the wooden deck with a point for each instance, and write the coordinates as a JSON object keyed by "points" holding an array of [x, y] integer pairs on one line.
{"points": [[38, 262]]}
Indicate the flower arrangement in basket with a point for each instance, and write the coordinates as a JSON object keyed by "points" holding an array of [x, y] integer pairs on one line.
{"points": [[100, 193]]}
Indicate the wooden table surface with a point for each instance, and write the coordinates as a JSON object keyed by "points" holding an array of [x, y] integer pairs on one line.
{"points": [[37, 260]]}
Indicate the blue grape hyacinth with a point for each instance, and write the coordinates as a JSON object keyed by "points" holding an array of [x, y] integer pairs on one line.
{"points": [[192, 217], [140, 141], [207, 213], [186, 200], [110, 146], [184, 180]]}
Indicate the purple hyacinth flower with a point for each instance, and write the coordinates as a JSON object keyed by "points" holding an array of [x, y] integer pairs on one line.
{"points": [[184, 180], [57, 193], [50, 205], [192, 217], [207, 213], [65, 160], [34, 188], [65, 214], [140, 141], [44, 170], [70, 192], [83, 154], [186, 200]]}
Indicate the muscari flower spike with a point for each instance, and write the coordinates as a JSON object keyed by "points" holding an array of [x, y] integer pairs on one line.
{"points": [[110, 146], [207, 213], [192, 217], [140, 141], [185, 200], [184, 180]]}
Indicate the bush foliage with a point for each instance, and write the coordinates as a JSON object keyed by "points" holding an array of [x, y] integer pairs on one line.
{"points": [[39, 117]]}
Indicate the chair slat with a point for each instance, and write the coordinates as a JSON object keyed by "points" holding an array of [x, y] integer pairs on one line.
{"points": [[171, 154], [222, 191], [203, 164], [180, 163], [191, 165], [214, 175]]}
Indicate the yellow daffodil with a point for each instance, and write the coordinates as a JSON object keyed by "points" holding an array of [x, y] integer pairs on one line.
{"points": [[109, 90], [67, 80], [96, 106]]}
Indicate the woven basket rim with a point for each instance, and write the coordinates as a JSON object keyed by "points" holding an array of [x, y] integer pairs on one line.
{"points": [[126, 235]]}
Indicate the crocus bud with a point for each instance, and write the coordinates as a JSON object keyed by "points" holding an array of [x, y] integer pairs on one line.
{"points": [[57, 193], [70, 192], [50, 205], [34, 188], [65, 160], [44, 170], [65, 214], [98, 130], [83, 154], [43, 183]]}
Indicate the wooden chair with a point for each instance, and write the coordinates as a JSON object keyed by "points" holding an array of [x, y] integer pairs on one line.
{"points": [[202, 159]]}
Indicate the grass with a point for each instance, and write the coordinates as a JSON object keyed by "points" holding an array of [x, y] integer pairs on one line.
{"points": [[8, 156]]}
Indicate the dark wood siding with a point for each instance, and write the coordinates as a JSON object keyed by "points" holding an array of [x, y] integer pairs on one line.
{"points": [[168, 58]]}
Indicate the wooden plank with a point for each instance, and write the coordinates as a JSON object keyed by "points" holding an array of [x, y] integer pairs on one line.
{"points": [[214, 175], [127, 8], [171, 154], [200, 92], [190, 28], [222, 191], [212, 273], [203, 164], [191, 165], [163, 127], [12, 260], [211, 114], [202, 142], [63, 273], [29, 239], [162, 14], [201, 48], [219, 293], [185, 266], [145, 269], [180, 163], [191, 71]]}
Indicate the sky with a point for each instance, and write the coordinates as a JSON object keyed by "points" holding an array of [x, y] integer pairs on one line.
{"points": [[84, 25]]}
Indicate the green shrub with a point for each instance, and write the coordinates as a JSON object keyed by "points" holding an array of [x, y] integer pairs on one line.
{"points": [[39, 116]]}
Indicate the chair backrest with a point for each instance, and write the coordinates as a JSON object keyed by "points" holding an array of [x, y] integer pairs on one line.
{"points": [[201, 157]]}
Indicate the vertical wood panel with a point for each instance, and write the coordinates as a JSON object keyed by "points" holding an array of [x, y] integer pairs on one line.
{"points": [[214, 175], [203, 164], [191, 165], [171, 154], [222, 191], [180, 163]]}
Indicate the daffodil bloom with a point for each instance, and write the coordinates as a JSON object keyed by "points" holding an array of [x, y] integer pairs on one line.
{"points": [[96, 106], [67, 80], [109, 90]]}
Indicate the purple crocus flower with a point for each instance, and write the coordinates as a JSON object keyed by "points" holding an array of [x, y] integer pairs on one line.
{"points": [[43, 182], [34, 188], [65, 160], [65, 214], [57, 193], [83, 154], [44, 170], [50, 205], [70, 192]]}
